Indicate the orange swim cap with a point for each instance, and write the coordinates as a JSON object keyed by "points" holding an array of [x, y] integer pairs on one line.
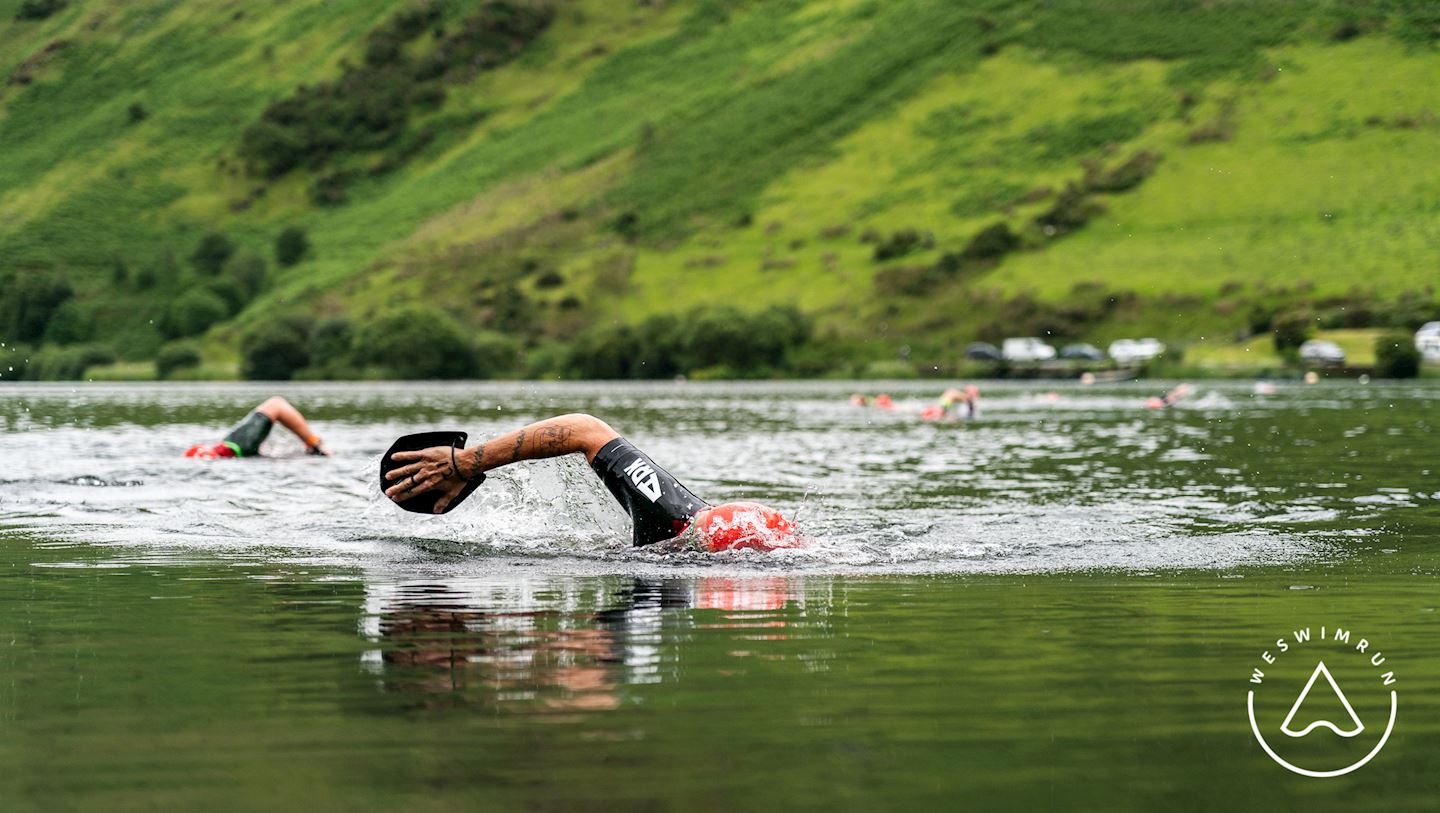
{"points": [[743, 525], [210, 452]]}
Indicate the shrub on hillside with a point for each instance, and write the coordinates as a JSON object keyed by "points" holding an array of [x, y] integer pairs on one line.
{"points": [[28, 303], [248, 271], [902, 242], [495, 354], [275, 350], [1071, 210], [332, 188], [69, 324], [38, 9], [1396, 356], [332, 342], [607, 352], [229, 292], [137, 113], [291, 246], [1292, 329], [419, 342], [990, 244], [1126, 175], [211, 253], [192, 313], [915, 280], [368, 106], [175, 357], [66, 363]]}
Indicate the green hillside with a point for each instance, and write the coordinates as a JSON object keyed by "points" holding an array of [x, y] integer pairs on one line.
{"points": [[582, 188]]}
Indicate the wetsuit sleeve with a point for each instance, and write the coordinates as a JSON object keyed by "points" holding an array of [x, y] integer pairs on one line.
{"points": [[246, 437], [659, 505]]}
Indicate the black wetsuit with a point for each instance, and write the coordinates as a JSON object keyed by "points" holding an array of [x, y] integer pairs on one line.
{"points": [[659, 506], [246, 437]]}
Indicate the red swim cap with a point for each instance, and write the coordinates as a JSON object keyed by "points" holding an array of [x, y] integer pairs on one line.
{"points": [[741, 525], [210, 452]]}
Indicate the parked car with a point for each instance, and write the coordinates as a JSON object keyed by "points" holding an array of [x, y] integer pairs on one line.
{"points": [[1427, 341], [1319, 351], [1132, 351], [1026, 349], [1081, 352], [982, 351]]}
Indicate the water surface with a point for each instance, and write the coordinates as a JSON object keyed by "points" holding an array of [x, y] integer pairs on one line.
{"points": [[1054, 606]]}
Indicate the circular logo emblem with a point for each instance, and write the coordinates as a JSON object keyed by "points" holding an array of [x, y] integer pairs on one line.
{"points": [[1322, 701]]}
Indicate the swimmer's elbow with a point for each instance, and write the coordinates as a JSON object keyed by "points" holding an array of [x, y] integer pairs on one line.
{"points": [[590, 432]]}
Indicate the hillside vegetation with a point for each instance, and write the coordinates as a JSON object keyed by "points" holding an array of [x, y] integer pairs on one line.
{"points": [[641, 189]]}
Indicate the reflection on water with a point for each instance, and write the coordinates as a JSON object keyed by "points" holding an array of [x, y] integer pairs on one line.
{"points": [[542, 648]]}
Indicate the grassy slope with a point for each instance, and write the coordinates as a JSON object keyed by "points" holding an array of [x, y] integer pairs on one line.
{"points": [[815, 119]]}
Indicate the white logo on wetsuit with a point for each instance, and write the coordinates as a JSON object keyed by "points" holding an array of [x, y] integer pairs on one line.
{"points": [[643, 475]]}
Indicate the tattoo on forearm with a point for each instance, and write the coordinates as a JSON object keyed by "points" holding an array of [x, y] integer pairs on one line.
{"points": [[553, 440], [519, 441], [479, 461]]}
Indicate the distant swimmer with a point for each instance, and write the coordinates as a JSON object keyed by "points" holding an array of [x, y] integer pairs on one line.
{"points": [[1169, 398], [435, 478], [245, 439], [859, 400], [955, 404]]}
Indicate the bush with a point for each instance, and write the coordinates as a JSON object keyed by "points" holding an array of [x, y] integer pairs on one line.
{"points": [[902, 242], [1125, 176], [724, 336], [229, 292], [137, 113], [332, 188], [990, 244], [291, 246], [211, 253], [275, 350], [69, 324], [495, 353], [1396, 356], [1071, 210], [248, 272], [608, 352], [1290, 330], [192, 313], [368, 106], [38, 9], [175, 357], [333, 341], [28, 303], [67, 363], [418, 343]]}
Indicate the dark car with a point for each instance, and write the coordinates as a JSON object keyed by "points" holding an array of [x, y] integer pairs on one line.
{"points": [[1082, 352], [982, 351]]}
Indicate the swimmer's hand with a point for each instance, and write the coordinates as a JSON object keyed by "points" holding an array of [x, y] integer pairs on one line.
{"points": [[432, 469]]}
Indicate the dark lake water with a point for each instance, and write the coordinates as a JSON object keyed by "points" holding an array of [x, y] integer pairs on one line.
{"points": [[1056, 606]]}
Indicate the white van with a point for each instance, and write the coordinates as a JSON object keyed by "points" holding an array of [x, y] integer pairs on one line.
{"points": [[1130, 351], [1427, 341], [1027, 349]]}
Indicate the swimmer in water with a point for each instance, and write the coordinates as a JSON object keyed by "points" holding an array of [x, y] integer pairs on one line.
{"points": [[1169, 398], [245, 439], [955, 405], [661, 509]]}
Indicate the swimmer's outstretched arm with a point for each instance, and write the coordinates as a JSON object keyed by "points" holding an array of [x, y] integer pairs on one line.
{"points": [[432, 470]]}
